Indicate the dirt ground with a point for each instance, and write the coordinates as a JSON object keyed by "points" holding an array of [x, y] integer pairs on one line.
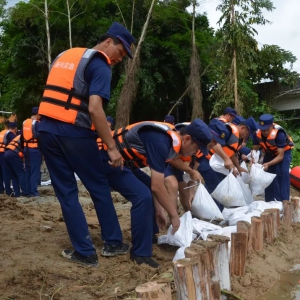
{"points": [[33, 234]]}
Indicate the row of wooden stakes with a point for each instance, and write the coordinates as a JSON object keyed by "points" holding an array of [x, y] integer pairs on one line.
{"points": [[208, 266]]}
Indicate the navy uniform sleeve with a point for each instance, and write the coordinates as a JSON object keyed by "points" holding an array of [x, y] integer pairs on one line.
{"points": [[98, 76], [10, 137], [255, 141], [157, 146], [280, 139]]}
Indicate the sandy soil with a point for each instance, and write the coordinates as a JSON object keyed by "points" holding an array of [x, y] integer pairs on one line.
{"points": [[33, 234]]}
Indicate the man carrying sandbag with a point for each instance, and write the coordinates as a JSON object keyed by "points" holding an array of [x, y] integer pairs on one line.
{"points": [[277, 145]]}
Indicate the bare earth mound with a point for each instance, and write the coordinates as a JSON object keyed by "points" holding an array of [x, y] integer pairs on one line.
{"points": [[33, 234]]}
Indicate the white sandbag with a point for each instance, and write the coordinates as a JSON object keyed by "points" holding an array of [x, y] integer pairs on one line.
{"points": [[162, 239], [225, 231], [243, 217], [179, 253], [217, 164], [200, 226], [245, 176], [246, 191], [259, 179], [254, 155], [262, 205], [184, 235], [186, 177], [203, 205], [228, 212], [229, 192]]}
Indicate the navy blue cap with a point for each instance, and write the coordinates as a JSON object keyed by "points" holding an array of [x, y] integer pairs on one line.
{"points": [[265, 121], [200, 133], [219, 131], [245, 150], [35, 110], [169, 119], [121, 33], [111, 120], [231, 111], [252, 125], [238, 120], [12, 124]]}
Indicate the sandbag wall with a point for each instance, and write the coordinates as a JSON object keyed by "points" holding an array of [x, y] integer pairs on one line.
{"points": [[205, 272]]}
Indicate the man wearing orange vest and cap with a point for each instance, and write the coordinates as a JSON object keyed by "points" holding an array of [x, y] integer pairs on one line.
{"points": [[151, 144], [277, 145], [72, 108], [32, 153]]}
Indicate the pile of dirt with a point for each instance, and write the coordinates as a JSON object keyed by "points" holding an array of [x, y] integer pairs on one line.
{"points": [[33, 234]]}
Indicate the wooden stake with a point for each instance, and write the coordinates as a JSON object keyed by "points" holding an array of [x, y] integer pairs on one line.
{"points": [[201, 271], [257, 233], [288, 209], [187, 280], [276, 219], [244, 226], [296, 214], [223, 260], [239, 246], [268, 227], [154, 290]]}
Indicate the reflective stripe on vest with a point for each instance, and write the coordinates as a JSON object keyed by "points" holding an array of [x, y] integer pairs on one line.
{"points": [[3, 139], [269, 144], [29, 133], [66, 95], [15, 145], [131, 147]]}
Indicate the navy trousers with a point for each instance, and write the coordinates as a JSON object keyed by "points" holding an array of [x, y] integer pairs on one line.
{"points": [[279, 189], [14, 170], [33, 161], [64, 156], [1, 173], [139, 194]]}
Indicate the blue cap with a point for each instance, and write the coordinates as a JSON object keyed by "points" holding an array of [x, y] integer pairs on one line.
{"points": [[169, 119], [111, 120], [121, 33], [34, 110], [245, 150], [252, 125], [200, 133], [219, 131], [265, 121], [12, 125], [238, 120], [231, 111]]}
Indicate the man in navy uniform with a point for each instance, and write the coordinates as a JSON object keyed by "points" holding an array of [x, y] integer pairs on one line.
{"points": [[277, 145]]}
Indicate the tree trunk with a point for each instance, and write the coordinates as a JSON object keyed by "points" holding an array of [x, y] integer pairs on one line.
{"points": [[69, 21], [130, 85], [46, 14]]}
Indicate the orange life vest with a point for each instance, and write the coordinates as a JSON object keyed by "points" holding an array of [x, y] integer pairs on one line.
{"points": [[100, 143], [234, 142], [3, 139], [15, 145], [29, 133], [131, 147], [269, 145], [66, 95]]}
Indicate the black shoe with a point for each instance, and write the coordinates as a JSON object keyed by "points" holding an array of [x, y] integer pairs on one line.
{"points": [[147, 260], [91, 260], [113, 250]]}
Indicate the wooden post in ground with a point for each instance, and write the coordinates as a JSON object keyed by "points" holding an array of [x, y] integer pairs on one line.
{"points": [[268, 227], [223, 260], [239, 246], [288, 209], [211, 248], [187, 279], [276, 219], [244, 226], [257, 233], [154, 290], [296, 214], [201, 272]]}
